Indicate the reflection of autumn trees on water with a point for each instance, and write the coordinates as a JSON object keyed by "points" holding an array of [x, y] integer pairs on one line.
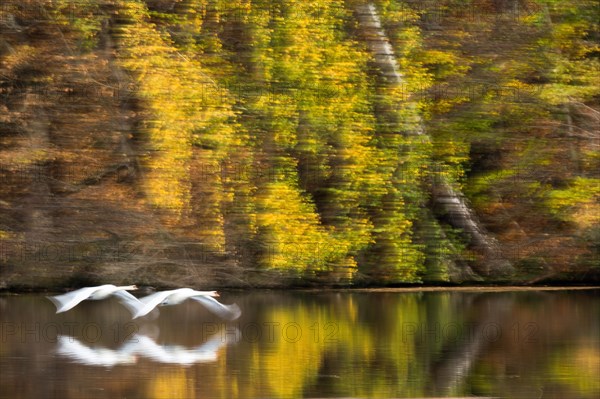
{"points": [[509, 344]]}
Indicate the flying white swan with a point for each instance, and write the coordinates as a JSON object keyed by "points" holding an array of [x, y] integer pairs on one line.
{"points": [[174, 297], [71, 299]]}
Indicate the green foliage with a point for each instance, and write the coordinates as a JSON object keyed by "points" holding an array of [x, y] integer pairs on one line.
{"points": [[574, 48], [84, 17], [265, 124], [581, 192], [315, 109]]}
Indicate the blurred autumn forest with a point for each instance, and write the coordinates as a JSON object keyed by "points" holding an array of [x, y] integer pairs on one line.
{"points": [[284, 142]]}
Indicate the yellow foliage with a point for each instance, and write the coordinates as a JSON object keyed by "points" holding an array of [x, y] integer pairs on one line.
{"points": [[291, 230], [171, 384], [183, 105]]}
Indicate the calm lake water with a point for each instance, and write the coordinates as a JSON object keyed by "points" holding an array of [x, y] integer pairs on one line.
{"points": [[317, 344]]}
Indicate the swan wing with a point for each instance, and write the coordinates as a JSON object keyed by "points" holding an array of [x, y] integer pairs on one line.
{"points": [[129, 301], [227, 312], [71, 299], [150, 302]]}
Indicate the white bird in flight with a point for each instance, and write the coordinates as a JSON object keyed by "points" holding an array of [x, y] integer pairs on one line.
{"points": [[71, 299], [143, 306], [174, 297]]}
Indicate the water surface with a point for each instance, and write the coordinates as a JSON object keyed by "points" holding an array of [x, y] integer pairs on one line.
{"points": [[526, 344]]}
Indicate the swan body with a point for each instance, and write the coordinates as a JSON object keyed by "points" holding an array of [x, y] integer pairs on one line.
{"points": [[174, 297], [71, 299]]}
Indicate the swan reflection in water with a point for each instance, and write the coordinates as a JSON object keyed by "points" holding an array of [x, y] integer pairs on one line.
{"points": [[80, 353], [141, 345]]}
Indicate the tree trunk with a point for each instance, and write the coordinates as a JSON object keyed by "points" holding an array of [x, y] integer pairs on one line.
{"points": [[451, 203], [458, 358]]}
